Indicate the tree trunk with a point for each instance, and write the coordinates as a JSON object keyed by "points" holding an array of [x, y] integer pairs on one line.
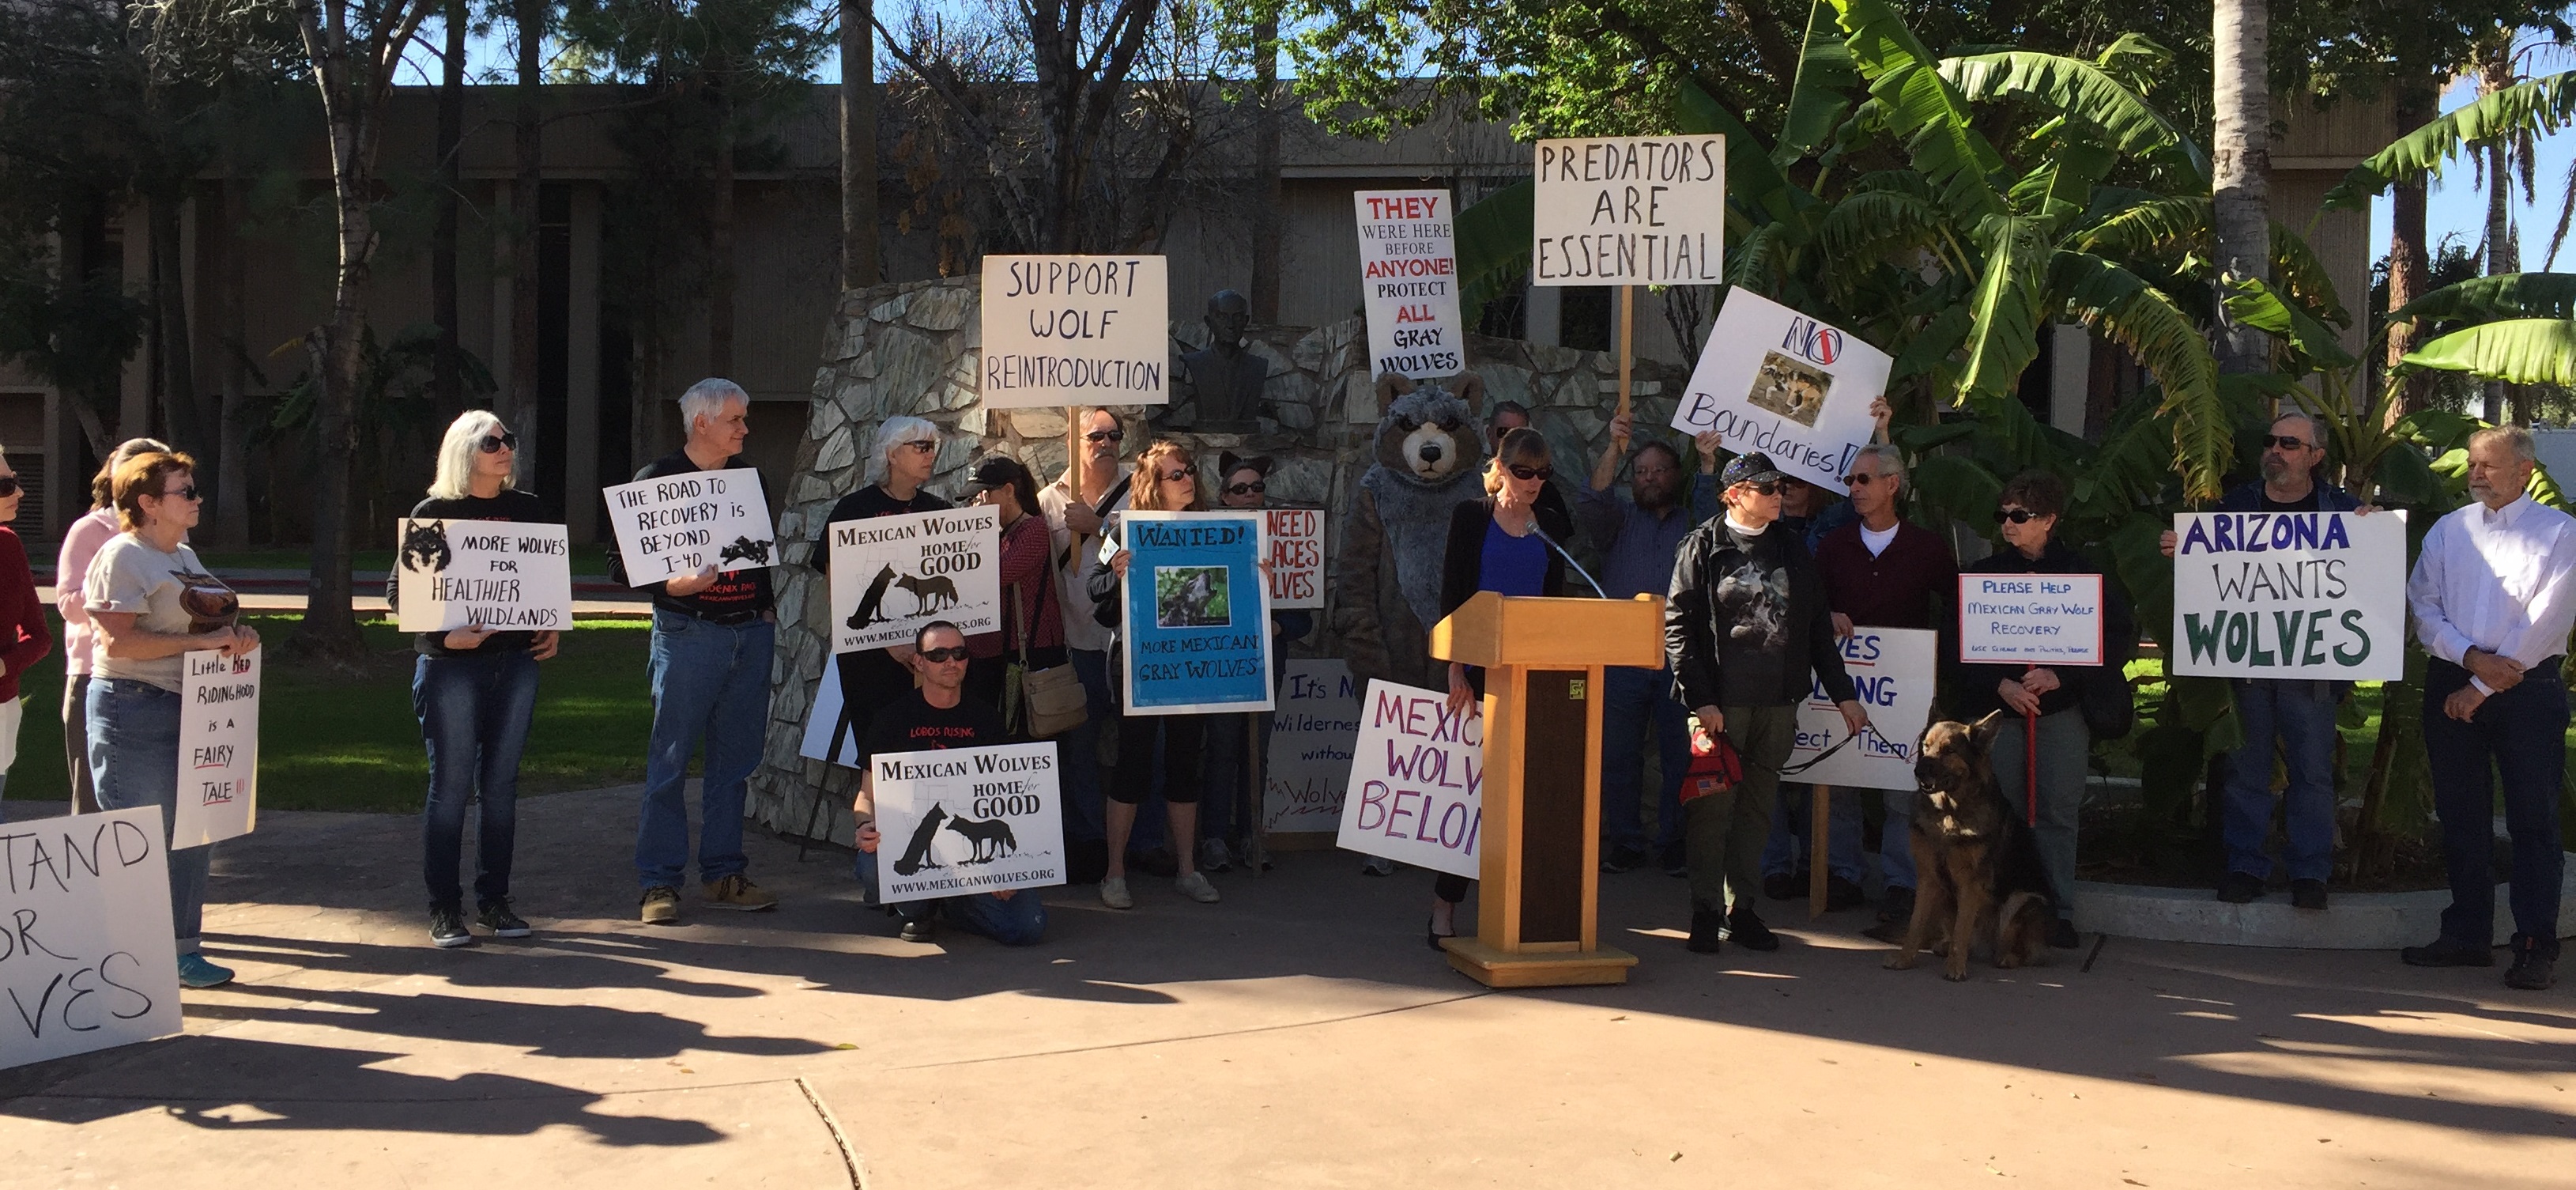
{"points": [[232, 498], [447, 373], [859, 267], [720, 272], [2241, 168], [2410, 274], [171, 347], [1265, 182], [519, 408], [329, 629]]}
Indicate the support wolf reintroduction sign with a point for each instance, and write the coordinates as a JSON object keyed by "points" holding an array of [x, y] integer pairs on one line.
{"points": [[1195, 613], [967, 820], [1893, 669], [893, 574], [491, 574], [1417, 787], [2290, 595], [86, 961], [1409, 275], [1629, 210], [680, 524], [1776, 381], [218, 747], [1075, 330]]}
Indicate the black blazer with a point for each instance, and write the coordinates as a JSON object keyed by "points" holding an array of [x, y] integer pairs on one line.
{"points": [[1464, 562]]}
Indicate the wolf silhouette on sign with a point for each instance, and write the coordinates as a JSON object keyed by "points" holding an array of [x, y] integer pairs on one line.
{"points": [[745, 549], [929, 594], [992, 838], [871, 609], [424, 547], [918, 852]]}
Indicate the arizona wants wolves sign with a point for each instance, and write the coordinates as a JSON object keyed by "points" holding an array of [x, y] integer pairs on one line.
{"points": [[2290, 595]]}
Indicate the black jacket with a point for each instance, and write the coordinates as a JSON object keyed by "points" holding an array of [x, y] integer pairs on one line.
{"points": [[1746, 623], [1976, 692], [1462, 565]]}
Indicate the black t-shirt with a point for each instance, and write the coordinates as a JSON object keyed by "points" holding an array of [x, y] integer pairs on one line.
{"points": [[911, 724], [2307, 503], [735, 592], [510, 505], [870, 677], [1753, 601]]}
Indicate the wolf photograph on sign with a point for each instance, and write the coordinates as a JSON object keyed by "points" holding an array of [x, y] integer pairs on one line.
{"points": [[1789, 388], [1191, 597]]}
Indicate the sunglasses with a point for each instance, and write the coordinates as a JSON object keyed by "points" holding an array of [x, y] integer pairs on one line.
{"points": [[493, 444], [2286, 442], [187, 493], [2018, 516], [1526, 474], [939, 656], [1764, 487], [8, 486], [1175, 476], [1255, 488], [924, 445], [1857, 479], [1105, 436]]}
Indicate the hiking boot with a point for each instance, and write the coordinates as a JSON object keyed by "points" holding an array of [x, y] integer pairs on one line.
{"points": [[2062, 935], [1781, 886], [2533, 968], [661, 906], [1841, 894], [496, 917], [2240, 888], [1897, 906], [1113, 893], [2308, 894], [737, 892], [1626, 857], [1708, 930], [1213, 856], [918, 929], [447, 927], [2448, 952], [1676, 859], [196, 972], [1195, 886], [1745, 929]]}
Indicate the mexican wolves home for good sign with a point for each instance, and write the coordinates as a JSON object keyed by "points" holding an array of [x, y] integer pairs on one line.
{"points": [[490, 574], [2290, 595], [967, 820], [1774, 380], [1629, 210], [1074, 330], [679, 524], [893, 574]]}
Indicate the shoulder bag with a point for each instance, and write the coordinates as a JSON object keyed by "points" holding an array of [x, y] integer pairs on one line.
{"points": [[1043, 702]]}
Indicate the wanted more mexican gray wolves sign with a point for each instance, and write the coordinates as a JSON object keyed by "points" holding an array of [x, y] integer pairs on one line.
{"points": [[893, 574], [967, 820], [2290, 595], [680, 524], [489, 574]]}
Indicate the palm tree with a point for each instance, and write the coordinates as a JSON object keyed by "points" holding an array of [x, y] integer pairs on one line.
{"points": [[2241, 162]]}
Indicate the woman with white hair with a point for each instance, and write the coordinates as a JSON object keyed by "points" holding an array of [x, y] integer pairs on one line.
{"points": [[475, 691], [905, 456]]}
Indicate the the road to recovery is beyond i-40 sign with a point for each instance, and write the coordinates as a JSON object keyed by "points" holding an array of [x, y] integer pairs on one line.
{"points": [[679, 524], [1893, 671], [1629, 210], [893, 574], [2290, 595], [967, 820], [2030, 619]]}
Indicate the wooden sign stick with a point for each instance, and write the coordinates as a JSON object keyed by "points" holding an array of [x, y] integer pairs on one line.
{"points": [[1627, 327], [1819, 822]]}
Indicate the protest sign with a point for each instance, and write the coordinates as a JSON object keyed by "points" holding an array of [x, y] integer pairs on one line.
{"points": [[218, 747], [679, 524], [1194, 613], [967, 820], [831, 734], [893, 574], [1409, 278], [1296, 557], [1416, 790], [490, 574], [2030, 619], [2290, 595], [1892, 669], [1075, 330], [1774, 380], [1311, 736], [86, 961], [1629, 210]]}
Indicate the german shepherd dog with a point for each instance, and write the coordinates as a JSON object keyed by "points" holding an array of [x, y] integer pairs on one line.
{"points": [[1978, 863]]}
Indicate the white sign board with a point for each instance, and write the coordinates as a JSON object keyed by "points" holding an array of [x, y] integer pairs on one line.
{"points": [[1296, 538], [679, 524], [829, 735], [218, 747], [1311, 736], [893, 574], [1630, 210], [1893, 671], [1409, 276], [2290, 595], [2030, 619], [1776, 381], [89, 966], [1075, 330], [491, 574], [1416, 793], [967, 820]]}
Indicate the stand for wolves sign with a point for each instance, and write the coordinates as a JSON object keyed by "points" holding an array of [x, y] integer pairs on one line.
{"points": [[218, 748], [491, 574], [1409, 269], [893, 574], [679, 524], [1195, 614], [1417, 788], [2290, 595], [1774, 380], [86, 961], [967, 820]]}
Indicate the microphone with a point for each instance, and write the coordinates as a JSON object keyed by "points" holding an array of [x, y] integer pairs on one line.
{"points": [[1569, 558]]}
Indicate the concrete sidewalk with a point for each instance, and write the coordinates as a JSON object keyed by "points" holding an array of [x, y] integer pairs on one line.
{"points": [[1298, 1034]]}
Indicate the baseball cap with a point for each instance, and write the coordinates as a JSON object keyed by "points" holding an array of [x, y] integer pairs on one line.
{"points": [[1747, 468], [995, 472]]}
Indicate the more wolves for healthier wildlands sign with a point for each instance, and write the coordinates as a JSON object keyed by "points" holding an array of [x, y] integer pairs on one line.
{"points": [[893, 574], [86, 962], [679, 524], [1774, 380], [967, 820], [1417, 787], [218, 747], [1629, 210], [1075, 330], [2290, 595], [1409, 276], [490, 574], [1893, 669], [1195, 613]]}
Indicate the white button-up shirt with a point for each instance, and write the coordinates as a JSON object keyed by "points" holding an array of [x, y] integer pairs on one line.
{"points": [[2502, 579]]}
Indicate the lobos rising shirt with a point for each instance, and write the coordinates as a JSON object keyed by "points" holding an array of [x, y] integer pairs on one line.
{"points": [[911, 724]]}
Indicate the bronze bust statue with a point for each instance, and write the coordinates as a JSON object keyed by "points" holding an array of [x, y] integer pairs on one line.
{"points": [[1226, 379]]}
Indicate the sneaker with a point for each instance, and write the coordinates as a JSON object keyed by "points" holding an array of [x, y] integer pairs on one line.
{"points": [[1195, 886], [661, 906], [1377, 865], [2448, 952], [1781, 886], [447, 927], [918, 929], [1708, 931], [2239, 888], [196, 972], [1213, 857], [2062, 935], [1896, 908], [2308, 894], [737, 892], [1841, 894], [496, 917], [1745, 929], [2533, 971], [1626, 857], [1113, 893], [1676, 860]]}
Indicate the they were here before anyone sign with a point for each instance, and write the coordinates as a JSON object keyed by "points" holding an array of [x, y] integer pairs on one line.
{"points": [[2290, 595], [87, 960], [1776, 381], [1409, 278], [679, 524], [492, 574]]}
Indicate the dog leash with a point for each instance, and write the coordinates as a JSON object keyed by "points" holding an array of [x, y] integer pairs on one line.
{"points": [[1801, 766]]}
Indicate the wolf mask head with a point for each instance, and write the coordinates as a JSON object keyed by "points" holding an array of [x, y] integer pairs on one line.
{"points": [[1428, 435]]}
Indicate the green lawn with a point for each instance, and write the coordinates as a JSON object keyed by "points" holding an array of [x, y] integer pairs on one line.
{"points": [[341, 743]]}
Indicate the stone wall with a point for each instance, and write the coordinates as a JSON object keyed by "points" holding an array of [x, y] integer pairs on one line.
{"points": [[913, 348]]}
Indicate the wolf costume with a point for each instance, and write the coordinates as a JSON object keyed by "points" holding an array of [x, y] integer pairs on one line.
{"points": [[1386, 591]]}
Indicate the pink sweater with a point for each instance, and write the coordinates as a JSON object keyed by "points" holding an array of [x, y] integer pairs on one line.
{"points": [[81, 542]]}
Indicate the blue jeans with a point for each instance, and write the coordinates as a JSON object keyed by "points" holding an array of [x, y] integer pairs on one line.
{"points": [[1017, 920], [1636, 701], [2518, 736], [134, 758], [709, 680], [474, 710], [2302, 714], [1785, 850]]}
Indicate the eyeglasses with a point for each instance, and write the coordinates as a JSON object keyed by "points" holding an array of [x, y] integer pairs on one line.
{"points": [[1176, 476], [2018, 516], [1255, 488], [941, 656], [2286, 442], [1105, 436], [187, 493], [1526, 474], [1857, 479], [924, 445], [493, 444], [8, 486]]}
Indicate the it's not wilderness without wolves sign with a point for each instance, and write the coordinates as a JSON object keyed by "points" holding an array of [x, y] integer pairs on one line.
{"points": [[967, 820]]}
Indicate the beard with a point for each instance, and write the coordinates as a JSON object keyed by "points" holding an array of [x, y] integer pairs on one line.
{"points": [[1656, 497]]}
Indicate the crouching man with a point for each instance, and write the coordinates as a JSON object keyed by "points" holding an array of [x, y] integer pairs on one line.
{"points": [[937, 714]]}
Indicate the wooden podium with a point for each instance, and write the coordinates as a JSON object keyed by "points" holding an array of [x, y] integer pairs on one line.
{"points": [[1541, 838]]}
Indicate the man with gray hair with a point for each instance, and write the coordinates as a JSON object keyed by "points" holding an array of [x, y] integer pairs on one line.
{"points": [[712, 637]]}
